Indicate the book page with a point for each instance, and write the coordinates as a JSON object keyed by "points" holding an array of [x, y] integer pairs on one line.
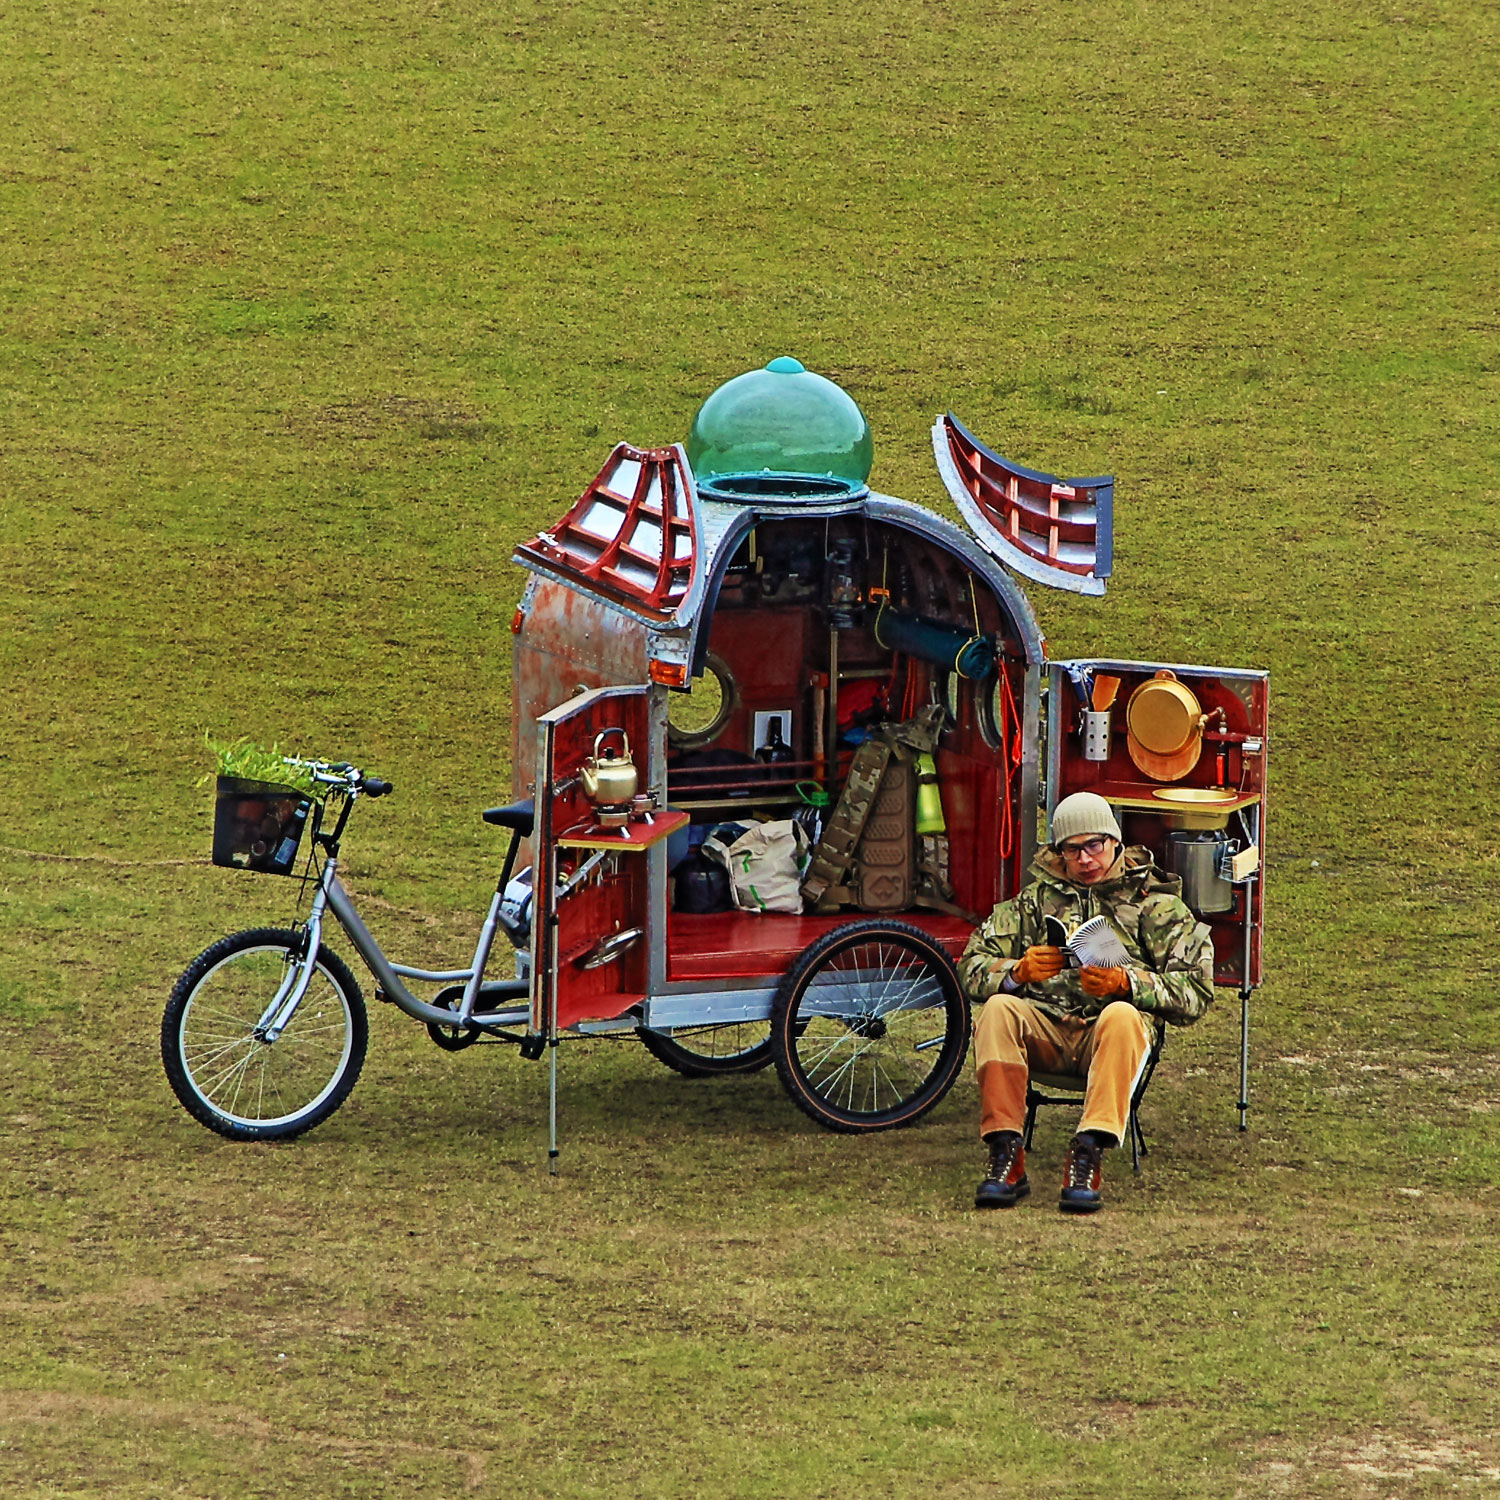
{"points": [[1096, 944]]}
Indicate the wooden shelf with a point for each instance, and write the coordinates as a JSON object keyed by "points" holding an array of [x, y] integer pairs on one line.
{"points": [[633, 836]]}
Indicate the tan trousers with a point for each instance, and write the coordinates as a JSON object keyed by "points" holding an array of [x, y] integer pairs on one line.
{"points": [[1013, 1037]]}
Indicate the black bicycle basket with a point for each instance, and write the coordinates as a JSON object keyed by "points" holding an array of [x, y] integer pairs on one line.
{"points": [[258, 825]]}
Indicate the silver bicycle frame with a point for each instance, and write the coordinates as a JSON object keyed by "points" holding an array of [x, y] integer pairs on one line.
{"points": [[330, 895]]}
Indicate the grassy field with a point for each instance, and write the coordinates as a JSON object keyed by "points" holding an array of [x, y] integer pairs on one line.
{"points": [[308, 315]]}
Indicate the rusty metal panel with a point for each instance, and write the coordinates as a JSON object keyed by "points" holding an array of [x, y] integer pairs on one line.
{"points": [[1059, 532], [565, 643]]}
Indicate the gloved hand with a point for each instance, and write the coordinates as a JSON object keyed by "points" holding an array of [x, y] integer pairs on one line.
{"points": [[1037, 964], [1104, 983]]}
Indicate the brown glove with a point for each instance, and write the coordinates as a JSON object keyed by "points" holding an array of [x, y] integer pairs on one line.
{"points": [[1102, 983], [1037, 964]]}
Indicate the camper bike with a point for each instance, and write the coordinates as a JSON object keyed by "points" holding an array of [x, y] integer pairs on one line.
{"points": [[266, 1031]]}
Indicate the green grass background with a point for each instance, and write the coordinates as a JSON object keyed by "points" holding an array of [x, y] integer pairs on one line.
{"points": [[309, 314]]}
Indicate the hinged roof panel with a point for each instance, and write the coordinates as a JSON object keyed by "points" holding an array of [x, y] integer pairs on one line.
{"points": [[1059, 532], [632, 536]]}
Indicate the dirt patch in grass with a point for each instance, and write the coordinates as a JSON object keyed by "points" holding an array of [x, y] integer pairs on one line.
{"points": [[1385, 1461]]}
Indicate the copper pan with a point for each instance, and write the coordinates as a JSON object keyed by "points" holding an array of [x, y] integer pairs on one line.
{"points": [[1164, 727]]}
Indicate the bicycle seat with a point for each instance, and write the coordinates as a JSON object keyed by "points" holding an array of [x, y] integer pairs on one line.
{"points": [[519, 817]]}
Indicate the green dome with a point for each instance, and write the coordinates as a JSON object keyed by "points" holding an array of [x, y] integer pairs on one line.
{"points": [[780, 432]]}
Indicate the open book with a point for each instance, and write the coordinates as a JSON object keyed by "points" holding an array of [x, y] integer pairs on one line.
{"points": [[1093, 944]]}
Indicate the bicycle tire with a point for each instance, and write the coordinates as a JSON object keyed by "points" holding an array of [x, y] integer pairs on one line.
{"points": [[230, 1079], [855, 1020], [711, 1060]]}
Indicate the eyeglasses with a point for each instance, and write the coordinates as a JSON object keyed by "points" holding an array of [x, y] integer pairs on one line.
{"points": [[1092, 847]]}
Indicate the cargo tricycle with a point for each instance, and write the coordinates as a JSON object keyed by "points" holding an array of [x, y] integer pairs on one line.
{"points": [[721, 643]]}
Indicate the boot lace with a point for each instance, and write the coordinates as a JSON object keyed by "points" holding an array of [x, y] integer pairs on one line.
{"points": [[1083, 1162], [1003, 1155]]}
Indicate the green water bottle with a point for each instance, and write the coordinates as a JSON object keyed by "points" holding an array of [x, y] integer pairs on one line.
{"points": [[929, 798]]}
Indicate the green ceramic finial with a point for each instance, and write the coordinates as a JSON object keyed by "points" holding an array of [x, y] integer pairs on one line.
{"points": [[786, 365]]}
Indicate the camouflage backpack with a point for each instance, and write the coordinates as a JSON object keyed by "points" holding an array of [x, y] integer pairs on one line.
{"points": [[870, 856]]}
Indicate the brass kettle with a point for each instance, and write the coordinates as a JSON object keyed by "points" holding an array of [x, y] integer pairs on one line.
{"points": [[609, 778]]}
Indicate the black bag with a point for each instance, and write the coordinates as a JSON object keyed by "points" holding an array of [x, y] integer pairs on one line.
{"points": [[700, 886]]}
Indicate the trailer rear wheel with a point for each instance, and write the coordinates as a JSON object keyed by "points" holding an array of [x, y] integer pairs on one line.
{"points": [[870, 1027], [711, 1051]]}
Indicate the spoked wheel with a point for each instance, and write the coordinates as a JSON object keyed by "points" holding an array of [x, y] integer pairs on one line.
{"points": [[711, 1051], [870, 1027], [218, 1061]]}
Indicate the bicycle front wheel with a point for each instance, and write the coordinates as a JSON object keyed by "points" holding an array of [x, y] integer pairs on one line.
{"points": [[218, 1061]]}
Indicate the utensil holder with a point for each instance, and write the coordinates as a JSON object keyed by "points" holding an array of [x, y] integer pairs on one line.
{"points": [[1096, 732]]}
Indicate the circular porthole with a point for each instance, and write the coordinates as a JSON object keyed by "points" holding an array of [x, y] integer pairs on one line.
{"points": [[697, 717]]}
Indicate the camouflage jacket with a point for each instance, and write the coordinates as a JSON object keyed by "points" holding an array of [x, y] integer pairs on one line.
{"points": [[1172, 968]]}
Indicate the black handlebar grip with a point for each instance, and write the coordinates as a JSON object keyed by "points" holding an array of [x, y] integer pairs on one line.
{"points": [[373, 786]]}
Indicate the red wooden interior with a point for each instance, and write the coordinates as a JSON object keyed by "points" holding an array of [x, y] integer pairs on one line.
{"points": [[740, 944], [775, 650], [597, 908], [1223, 763]]}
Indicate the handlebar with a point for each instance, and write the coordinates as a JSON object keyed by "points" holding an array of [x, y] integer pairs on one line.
{"points": [[339, 775]]}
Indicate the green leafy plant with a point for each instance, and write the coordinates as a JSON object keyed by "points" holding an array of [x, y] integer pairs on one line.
{"points": [[252, 762]]}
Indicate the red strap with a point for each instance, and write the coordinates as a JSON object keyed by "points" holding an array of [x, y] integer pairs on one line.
{"points": [[1011, 753]]}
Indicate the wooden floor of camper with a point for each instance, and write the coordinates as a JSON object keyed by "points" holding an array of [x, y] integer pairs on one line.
{"points": [[738, 944]]}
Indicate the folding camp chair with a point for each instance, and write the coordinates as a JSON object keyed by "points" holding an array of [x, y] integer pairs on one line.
{"points": [[1067, 1088]]}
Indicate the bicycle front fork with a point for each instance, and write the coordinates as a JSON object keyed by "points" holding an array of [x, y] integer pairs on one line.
{"points": [[277, 1016]]}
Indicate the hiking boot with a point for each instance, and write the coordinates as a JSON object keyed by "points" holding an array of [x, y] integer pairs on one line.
{"points": [[1080, 1190], [1005, 1181]]}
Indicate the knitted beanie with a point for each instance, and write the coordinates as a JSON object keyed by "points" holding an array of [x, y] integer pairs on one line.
{"points": [[1083, 812]]}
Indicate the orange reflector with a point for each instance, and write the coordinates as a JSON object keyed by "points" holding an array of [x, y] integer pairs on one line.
{"points": [[517, 620], [669, 673]]}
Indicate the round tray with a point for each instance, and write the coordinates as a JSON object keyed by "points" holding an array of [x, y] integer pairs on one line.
{"points": [[1195, 806]]}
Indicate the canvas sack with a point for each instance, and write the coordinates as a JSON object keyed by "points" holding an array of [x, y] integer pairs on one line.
{"points": [[765, 863]]}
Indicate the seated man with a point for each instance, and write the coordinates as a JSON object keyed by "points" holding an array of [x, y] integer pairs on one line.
{"points": [[1095, 1022]]}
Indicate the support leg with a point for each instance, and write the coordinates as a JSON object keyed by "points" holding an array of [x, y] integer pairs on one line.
{"points": [[1244, 1104], [552, 1109], [1244, 1101]]}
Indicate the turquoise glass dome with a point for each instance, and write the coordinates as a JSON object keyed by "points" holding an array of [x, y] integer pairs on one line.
{"points": [[780, 433]]}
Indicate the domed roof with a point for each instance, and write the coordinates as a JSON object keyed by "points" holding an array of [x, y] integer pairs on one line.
{"points": [[780, 433]]}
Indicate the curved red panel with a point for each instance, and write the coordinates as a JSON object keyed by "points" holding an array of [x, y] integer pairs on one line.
{"points": [[1055, 531]]}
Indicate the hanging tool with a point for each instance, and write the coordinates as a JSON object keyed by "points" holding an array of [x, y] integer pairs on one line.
{"points": [[1081, 678]]}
